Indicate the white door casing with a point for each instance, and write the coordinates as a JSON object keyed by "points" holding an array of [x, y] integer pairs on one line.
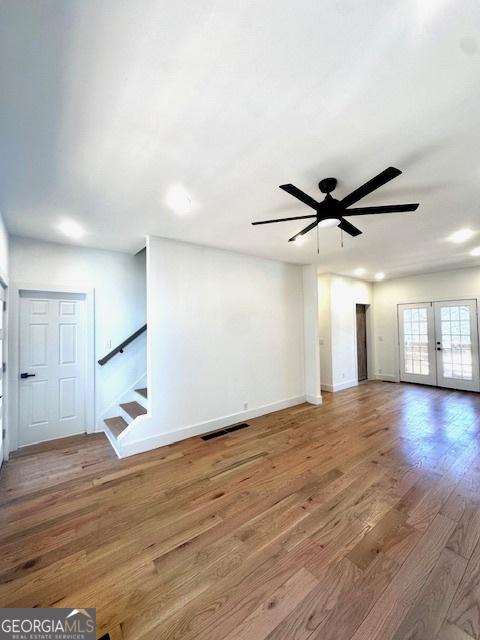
{"points": [[52, 351]]}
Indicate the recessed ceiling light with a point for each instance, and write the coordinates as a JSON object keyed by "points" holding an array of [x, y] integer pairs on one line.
{"points": [[360, 271], [178, 199], [379, 276], [475, 252], [328, 222], [71, 229], [462, 235]]}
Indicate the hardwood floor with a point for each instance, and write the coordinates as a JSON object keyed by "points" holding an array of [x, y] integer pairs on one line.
{"points": [[358, 519]]}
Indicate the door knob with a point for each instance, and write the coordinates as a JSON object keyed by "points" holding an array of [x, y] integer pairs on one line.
{"points": [[439, 348], [27, 375]]}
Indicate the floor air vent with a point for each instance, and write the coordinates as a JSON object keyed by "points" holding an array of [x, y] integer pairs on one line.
{"points": [[214, 434], [223, 432], [237, 427]]}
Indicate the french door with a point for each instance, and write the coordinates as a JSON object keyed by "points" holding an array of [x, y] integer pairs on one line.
{"points": [[439, 344]]}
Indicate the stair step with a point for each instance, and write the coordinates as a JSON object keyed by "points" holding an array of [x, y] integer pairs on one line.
{"points": [[134, 409], [116, 425], [143, 392]]}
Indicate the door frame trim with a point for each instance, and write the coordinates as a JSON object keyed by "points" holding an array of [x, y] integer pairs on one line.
{"points": [[367, 339], [370, 339], [6, 388], [13, 370]]}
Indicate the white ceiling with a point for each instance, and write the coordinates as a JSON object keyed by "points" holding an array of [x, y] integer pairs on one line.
{"points": [[106, 104]]}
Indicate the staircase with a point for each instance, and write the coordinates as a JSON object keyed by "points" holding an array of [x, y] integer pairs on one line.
{"points": [[116, 425]]}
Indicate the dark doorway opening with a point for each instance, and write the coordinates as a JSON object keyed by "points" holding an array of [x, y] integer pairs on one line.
{"points": [[362, 367]]}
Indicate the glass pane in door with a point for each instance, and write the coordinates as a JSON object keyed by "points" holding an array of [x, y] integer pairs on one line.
{"points": [[456, 341], [415, 337], [417, 340]]}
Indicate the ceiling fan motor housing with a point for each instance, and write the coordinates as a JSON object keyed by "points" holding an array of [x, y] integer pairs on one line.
{"points": [[327, 185]]}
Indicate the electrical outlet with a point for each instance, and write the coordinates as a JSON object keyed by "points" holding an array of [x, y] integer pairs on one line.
{"points": [[108, 344], [245, 406]]}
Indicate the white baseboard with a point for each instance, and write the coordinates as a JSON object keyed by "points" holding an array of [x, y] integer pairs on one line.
{"points": [[386, 377], [114, 409], [339, 387], [130, 447], [313, 399]]}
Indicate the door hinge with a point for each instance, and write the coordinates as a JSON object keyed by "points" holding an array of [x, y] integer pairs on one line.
{"points": [[4, 434], [4, 305], [4, 366]]}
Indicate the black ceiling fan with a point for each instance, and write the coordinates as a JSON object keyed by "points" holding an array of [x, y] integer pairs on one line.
{"points": [[331, 212]]}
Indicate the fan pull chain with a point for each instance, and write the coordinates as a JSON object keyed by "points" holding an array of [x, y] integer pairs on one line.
{"points": [[341, 238], [318, 242]]}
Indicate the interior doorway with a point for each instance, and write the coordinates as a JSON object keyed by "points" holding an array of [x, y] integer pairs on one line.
{"points": [[362, 362], [439, 344]]}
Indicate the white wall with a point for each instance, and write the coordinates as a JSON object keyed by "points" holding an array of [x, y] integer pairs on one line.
{"points": [[338, 296], [224, 329], [4, 242], [325, 331], [445, 285], [345, 293], [119, 281], [311, 335]]}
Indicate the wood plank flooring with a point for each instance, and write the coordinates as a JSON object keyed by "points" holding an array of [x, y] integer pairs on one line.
{"points": [[358, 519]]}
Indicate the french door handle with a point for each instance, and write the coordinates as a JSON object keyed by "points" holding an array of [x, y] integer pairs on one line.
{"points": [[27, 375], [439, 348]]}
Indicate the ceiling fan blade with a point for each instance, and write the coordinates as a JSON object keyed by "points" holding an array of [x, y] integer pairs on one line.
{"points": [[349, 228], [302, 196], [303, 231], [371, 185], [388, 208], [284, 219]]}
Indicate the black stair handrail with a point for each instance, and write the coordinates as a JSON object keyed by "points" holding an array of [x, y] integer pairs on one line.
{"points": [[122, 345]]}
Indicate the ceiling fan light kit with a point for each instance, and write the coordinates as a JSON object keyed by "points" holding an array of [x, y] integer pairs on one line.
{"points": [[328, 222], [331, 212]]}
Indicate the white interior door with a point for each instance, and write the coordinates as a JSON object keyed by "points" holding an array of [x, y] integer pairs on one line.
{"points": [[52, 366], [417, 343], [456, 338]]}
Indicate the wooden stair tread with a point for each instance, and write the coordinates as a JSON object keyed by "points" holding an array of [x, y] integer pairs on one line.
{"points": [[116, 425], [143, 392], [134, 409]]}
